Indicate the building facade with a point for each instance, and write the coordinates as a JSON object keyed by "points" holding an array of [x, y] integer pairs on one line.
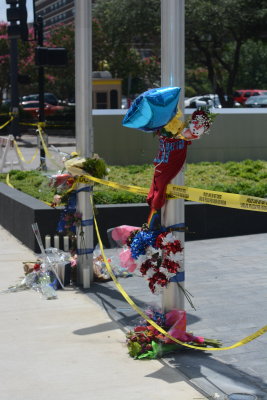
{"points": [[55, 12]]}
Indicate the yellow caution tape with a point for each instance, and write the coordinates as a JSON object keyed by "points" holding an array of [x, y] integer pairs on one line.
{"points": [[43, 124], [156, 326], [47, 153], [114, 185], [220, 199], [7, 122], [8, 181], [21, 155]]}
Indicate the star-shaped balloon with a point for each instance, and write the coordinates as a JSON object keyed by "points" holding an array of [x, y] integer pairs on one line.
{"points": [[153, 109]]}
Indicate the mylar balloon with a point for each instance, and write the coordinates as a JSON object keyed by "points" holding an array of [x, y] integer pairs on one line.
{"points": [[153, 109]]}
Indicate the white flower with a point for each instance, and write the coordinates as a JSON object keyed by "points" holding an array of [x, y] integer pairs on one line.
{"points": [[169, 238], [163, 270], [140, 260], [170, 275], [150, 251], [150, 273], [158, 289], [176, 257]]}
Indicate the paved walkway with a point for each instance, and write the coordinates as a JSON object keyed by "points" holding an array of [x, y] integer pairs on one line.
{"points": [[69, 348]]}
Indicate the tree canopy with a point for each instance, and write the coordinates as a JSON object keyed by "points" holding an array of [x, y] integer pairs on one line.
{"points": [[215, 33], [225, 47]]}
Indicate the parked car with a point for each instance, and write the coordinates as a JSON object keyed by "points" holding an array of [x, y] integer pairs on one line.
{"points": [[206, 100], [32, 107], [256, 101], [243, 94], [210, 100], [49, 98]]}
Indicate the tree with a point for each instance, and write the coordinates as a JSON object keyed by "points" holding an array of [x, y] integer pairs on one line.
{"points": [[130, 33], [216, 30], [252, 70], [63, 78]]}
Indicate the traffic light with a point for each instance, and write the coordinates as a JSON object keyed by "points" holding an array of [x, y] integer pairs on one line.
{"points": [[17, 16], [51, 56]]}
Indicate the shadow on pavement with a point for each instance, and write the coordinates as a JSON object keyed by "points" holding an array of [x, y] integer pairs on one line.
{"points": [[212, 374]]}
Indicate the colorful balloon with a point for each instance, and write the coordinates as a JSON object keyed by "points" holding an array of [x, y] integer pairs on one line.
{"points": [[153, 109]]}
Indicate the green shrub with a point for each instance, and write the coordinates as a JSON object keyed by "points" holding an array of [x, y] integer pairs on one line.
{"points": [[247, 177]]}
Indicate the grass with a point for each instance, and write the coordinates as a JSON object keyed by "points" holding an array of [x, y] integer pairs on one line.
{"points": [[247, 177]]}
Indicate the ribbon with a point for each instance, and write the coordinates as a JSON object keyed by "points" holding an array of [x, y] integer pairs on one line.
{"points": [[21, 155], [7, 122], [40, 125], [84, 251], [87, 222]]}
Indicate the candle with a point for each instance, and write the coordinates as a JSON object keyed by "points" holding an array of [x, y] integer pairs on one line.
{"points": [[56, 242], [86, 278], [47, 241], [66, 243]]}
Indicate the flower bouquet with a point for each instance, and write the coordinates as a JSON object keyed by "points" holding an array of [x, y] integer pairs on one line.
{"points": [[155, 254], [145, 341]]}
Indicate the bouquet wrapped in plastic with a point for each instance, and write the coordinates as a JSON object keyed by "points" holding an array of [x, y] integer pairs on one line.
{"points": [[145, 341]]}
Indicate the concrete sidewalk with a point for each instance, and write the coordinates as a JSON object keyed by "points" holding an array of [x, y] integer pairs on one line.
{"points": [[69, 348]]}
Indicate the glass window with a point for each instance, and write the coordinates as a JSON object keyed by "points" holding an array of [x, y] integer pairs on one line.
{"points": [[114, 99], [101, 100]]}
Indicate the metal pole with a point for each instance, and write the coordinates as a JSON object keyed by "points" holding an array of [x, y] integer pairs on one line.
{"points": [[40, 42], [84, 127], [14, 86], [172, 74]]}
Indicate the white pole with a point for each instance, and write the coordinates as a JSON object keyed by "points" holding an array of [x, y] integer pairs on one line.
{"points": [[172, 74], [84, 128]]}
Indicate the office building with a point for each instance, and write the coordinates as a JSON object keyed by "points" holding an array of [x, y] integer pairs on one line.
{"points": [[55, 12]]}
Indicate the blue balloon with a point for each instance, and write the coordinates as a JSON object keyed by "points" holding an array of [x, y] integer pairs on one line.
{"points": [[153, 109]]}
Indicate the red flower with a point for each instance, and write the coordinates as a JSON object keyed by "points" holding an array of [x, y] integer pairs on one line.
{"points": [[36, 267], [152, 285], [145, 267], [173, 247], [140, 328], [170, 265], [160, 279]]}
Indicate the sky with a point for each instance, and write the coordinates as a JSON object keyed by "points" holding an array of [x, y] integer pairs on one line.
{"points": [[4, 6]]}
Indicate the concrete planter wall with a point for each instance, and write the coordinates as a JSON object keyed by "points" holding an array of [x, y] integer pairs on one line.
{"points": [[18, 212], [237, 134]]}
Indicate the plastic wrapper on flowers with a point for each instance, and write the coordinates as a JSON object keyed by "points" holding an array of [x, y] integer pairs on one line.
{"points": [[40, 280], [146, 342], [94, 166], [61, 182], [46, 275], [100, 271]]}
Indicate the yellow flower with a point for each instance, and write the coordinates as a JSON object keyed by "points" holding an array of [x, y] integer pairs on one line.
{"points": [[175, 126]]}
